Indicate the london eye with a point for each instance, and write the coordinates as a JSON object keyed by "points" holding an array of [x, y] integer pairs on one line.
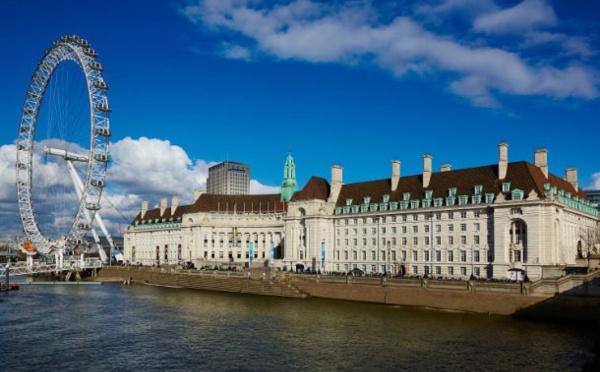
{"points": [[63, 148]]}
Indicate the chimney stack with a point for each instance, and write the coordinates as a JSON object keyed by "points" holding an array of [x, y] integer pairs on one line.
{"points": [[445, 168], [197, 194], [144, 208], [174, 204], [163, 206], [541, 160], [426, 170], [395, 174], [503, 160], [571, 177], [336, 183]]}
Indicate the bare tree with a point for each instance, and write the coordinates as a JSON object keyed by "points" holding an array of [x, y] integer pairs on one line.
{"points": [[590, 237]]}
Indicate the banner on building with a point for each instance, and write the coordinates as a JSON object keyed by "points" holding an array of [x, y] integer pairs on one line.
{"points": [[272, 254], [251, 251], [323, 256]]}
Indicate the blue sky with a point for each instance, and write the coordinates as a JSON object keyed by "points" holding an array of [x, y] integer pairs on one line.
{"points": [[353, 83]]}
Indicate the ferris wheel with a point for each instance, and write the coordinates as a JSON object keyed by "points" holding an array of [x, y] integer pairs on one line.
{"points": [[41, 162]]}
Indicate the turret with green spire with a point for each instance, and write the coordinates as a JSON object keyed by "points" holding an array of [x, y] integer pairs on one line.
{"points": [[289, 185]]}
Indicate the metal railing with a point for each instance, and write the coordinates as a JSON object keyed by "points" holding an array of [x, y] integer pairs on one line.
{"points": [[38, 267]]}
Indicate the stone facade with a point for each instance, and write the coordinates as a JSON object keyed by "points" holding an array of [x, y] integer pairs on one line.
{"points": [[501, 220]]}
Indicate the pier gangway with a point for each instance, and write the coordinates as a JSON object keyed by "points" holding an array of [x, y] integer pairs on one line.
{"points": [[39, 267]]}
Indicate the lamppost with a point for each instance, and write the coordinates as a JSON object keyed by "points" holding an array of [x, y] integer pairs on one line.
{"points": [[431, 242]]}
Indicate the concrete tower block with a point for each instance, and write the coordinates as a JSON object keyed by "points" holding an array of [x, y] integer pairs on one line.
{"points": [[336, 183], [502, 160], [541, 160], [395, 174], [426, 170]]}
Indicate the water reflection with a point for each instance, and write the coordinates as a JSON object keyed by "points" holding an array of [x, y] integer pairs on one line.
{"points": [[112, 327]]}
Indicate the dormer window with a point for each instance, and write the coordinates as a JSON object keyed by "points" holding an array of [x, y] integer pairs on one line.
{"points": [[475, 199], [366, 199], [505, 186], [478, 189], [348, 201], [426, 203], [437, 202], [404, 204], [414, 204], [394, 206], [489, 197], [568, 195], [547, 186], [452, 191], [450, 201], [406, 196], [428, 194], [517, 194], [463, 199], [386, 198], [553, 190]]}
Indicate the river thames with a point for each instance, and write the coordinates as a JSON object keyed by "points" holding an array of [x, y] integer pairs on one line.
{"points": [[112, 327]]}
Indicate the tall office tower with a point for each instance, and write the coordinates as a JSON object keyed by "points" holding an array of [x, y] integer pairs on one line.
{"points": [[228, 178]]}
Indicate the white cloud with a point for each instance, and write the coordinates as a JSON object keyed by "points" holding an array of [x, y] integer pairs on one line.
{"points": [[258, 188], [233, 51], [315, 32], [595, 185], [524, 16], [141, 169]]}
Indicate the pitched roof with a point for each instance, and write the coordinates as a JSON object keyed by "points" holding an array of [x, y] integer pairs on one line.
{"points": [[521, 175], [263, 203], [315, 188]]}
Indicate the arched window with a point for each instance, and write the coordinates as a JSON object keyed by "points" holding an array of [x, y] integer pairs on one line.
{"points": [[518, 241]]}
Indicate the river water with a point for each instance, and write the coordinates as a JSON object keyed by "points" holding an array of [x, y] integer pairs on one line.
{"points": [[112, 327]]}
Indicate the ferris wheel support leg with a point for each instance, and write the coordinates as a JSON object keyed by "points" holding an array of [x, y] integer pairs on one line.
{"points": [[79, 189]]}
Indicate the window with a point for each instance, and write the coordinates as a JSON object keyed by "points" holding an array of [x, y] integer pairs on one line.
{"points": [[438, 256], [348, 201], [404, 218], [463, 256], [450, 270], [452, 191], [383, 230], [415, 241], [477, 272], [438, 240], [415, 229], [437, 202], [463, 271], [354, 255], [394, 242], [426, 240], [345, 255], [489, 198], [463, 240], [426, 228], [394, 230], [463, 214], [383, 255], [450, 215], [450, 201], [364, 241], [373, 242], [438, 216], [438, 228], [394, 220], [476, 226], [463, 199], [505, 186], [415, 255], [517, 232], [406, 196], [415, 269], [345, 231], [366, 200], [373, 255], [450, 240], [364, 255], [476, 256], [476, 240], [403, 240], [374, 230], [386, 198], [477, 214], [450, 256], [403, 229], [517, 194], [403, 255], [438, 270], [393, 255], [355, 241], [478, 189], [450, 227], [415, 217]]}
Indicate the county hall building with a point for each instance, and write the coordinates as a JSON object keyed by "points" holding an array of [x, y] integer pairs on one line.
{"points": [[487, 221]]}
